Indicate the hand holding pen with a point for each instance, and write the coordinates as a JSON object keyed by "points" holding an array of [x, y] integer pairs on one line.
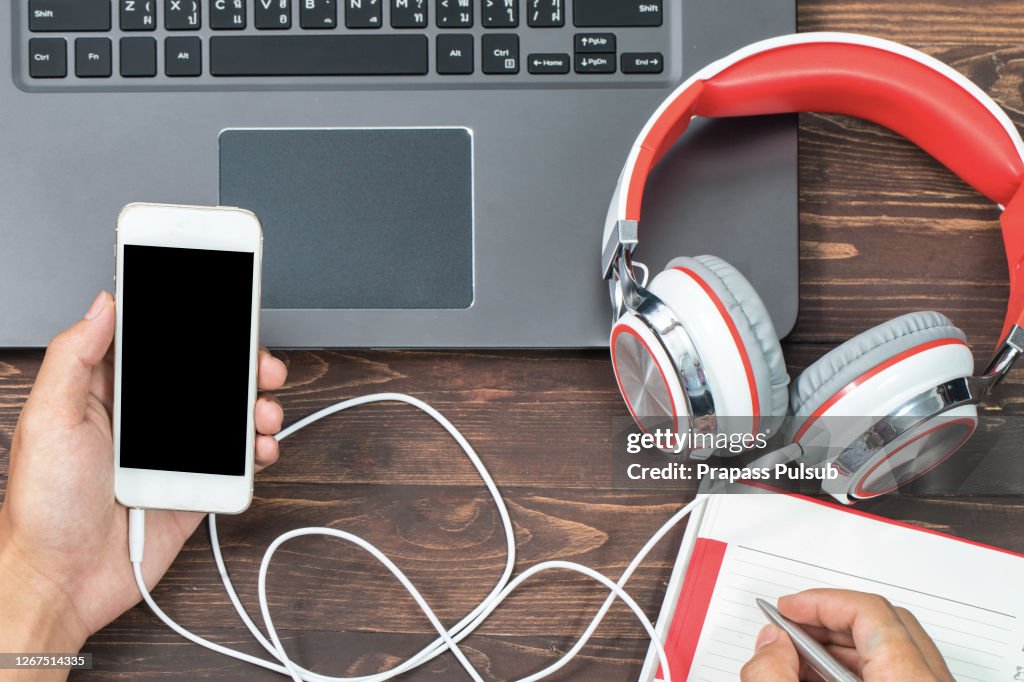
{"points": [[867, 635]]}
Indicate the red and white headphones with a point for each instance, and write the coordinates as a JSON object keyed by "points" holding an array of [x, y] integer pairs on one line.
{"points": [[697, 351]]}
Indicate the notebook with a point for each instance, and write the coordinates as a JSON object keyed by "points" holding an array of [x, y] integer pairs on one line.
{"points": [[968, 597]]}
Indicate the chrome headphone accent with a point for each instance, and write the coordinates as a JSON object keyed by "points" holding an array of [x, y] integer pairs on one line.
{"points": [[903, 423], [1007, 354], [628, 294], [911, 419], [622, 238], [621, 282]]}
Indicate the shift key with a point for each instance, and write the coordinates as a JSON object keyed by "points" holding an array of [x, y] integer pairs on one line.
{"points": [[69, 15], [607, 13]]}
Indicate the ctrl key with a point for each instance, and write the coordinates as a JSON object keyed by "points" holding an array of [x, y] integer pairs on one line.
{"points": [[48, 58]]}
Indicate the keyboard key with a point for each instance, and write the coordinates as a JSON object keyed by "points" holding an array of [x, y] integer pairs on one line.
{"points": [[227, 15], [318, 14], [318, 55], [617, 12], [548, 63], [500, 53], [454, 13], [182, 15], [183, 57], [138, 57], [594, 42], [138, 15], [273, 15], [363, 14], [595, 63], [69, 15], [643, 62], [93, 57], [409, 13], [455, 54], [47, 58], [500, 13], [545, 13]]}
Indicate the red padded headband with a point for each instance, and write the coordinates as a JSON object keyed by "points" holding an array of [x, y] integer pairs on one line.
{"points": [[892, 85]]}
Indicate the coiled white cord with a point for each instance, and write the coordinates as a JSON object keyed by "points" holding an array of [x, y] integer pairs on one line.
{"points": [[448, 639]]}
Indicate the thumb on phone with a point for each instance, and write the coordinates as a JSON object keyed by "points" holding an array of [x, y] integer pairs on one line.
{"points": [[775, 658]]}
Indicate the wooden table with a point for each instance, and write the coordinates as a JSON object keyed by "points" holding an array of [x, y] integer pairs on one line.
{"points": [[884, 230]]}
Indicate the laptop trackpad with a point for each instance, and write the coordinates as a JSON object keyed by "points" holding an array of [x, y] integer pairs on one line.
{"points": [[357, 218]]}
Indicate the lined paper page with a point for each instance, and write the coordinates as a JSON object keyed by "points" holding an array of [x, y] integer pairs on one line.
{"points": [[975, 641], [968, 598]]}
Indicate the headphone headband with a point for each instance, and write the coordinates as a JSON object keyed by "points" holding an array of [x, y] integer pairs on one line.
{"points": [[895, 86]]}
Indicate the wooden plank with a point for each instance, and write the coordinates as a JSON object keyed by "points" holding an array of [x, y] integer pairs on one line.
{"points": [[528, 432], [149, 652]]}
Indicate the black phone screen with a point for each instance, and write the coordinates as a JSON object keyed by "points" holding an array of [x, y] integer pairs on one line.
{"points": [[186, 329]]}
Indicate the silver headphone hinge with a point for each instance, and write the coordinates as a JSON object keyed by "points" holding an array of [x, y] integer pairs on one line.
{"points": [[1006, 356], [623, 238]]}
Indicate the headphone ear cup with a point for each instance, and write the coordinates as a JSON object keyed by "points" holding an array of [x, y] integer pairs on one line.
{"points": [[645, 375], [847, 365], [839, 400], [735, 338]]}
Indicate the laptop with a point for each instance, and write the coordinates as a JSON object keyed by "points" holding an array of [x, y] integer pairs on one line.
{"points": [[429, 173]]}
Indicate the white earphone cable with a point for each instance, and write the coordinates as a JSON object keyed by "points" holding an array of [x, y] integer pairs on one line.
{"points": [[448, 639]]}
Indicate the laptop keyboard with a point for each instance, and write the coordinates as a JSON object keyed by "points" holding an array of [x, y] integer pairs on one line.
{"points": [[202, 44]]}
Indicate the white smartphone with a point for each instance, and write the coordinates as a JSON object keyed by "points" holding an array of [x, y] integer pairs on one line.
{"points": [[186, 350]]}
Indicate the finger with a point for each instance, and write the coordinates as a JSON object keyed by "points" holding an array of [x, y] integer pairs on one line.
{"points": [[166, 532], [826, 636], [848, 656], [881, 639], [267, 452], [775, 659], [102, 384], [272, 371], [268, 415], [925, 644], [63, 385]]}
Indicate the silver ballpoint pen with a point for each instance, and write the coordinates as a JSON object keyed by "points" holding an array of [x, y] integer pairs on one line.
{"points": [[820, 660]]}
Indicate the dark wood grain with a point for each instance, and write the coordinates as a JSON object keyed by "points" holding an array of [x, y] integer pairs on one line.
{"points": [[884, 230]]}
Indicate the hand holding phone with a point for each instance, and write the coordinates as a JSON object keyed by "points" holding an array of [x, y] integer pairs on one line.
{"points": [[63, 538], [209, 258]]}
